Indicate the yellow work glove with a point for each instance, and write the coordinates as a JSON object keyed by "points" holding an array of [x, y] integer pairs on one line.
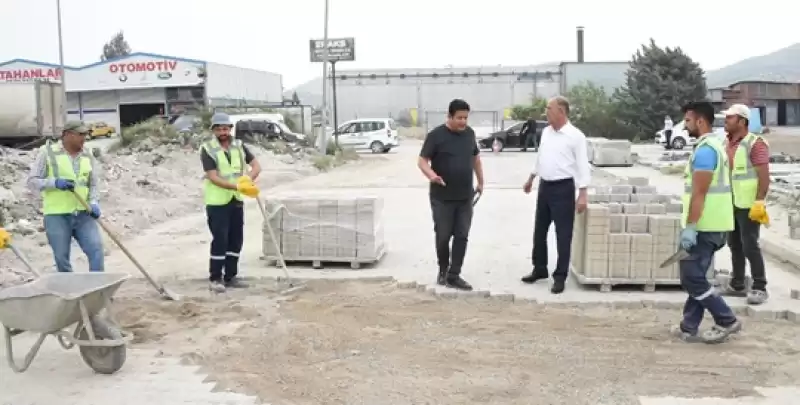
{"points": [[758, 213], [246, 187], [5, 238]]}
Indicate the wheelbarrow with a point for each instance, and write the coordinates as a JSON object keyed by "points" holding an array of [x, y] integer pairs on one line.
{"points": [[53, 303]]}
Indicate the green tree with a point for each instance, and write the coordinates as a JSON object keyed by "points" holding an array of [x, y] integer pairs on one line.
{"points": [[295, 98], [596, 113], [116, 47], [658, 82], [535, 109]]}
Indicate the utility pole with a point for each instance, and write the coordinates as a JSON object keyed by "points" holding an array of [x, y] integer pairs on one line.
{"points": [[61, 64], [324, 133]]}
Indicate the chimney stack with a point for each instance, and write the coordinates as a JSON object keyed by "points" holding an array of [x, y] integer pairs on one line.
{"points": [[580, 44]]}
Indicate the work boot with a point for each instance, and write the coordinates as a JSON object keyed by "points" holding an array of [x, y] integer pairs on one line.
{"points": [[731, 290], [236, 283], [442, 277], [458, 283], [216, 286], [688, 337], [558, 286], [536, 275], [757, 297], [718, 333]]}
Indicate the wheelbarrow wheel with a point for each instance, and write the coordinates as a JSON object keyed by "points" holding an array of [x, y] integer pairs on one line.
{"points": [[103, 360]]}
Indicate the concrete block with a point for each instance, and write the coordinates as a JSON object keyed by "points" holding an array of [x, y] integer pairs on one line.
{"points": [[507, 297], [622, 189], [407, 284], [638, 181], [674, 207], [765, 313], [619, 198], [644, 190], [614, 208], [598, 198], [795, 294], [596, 264], [645, 198], [658, 209], [641, 256], [617, 223], [619, 252], [793, 315], [636, 223], [794, 225], [632, 208]]}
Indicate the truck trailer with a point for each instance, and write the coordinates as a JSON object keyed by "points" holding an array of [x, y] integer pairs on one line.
{"points": [[30, 111]]}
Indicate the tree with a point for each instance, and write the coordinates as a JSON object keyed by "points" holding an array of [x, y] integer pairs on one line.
{"points": [[596, 113], [295, 98], [658, 82], [535, 110], [116, 47]]}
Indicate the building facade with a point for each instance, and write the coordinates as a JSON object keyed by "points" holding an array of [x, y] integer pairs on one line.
{"points": [[779, 103], [123, 91]]}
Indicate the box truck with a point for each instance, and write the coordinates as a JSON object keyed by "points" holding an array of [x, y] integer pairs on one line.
{"points": [[30, 111]]}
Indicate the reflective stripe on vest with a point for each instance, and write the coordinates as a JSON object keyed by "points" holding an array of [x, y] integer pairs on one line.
{"points": [[226, 169], [61, 166], [717, 215], [743, 174]]}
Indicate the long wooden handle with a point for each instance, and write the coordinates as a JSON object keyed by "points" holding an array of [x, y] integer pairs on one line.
{"points": [[116, 240]]}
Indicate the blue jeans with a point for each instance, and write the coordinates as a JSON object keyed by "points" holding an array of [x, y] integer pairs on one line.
{"points": [[702, 295], [60, 230]]}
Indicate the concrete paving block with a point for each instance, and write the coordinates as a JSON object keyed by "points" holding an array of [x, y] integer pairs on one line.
{"points": [[644, 190], [674, 207], [655, 209], [758, 312], [627, 305], [614, 208], [447, 294], [645, 198], [422, 287], [636, 223], [407, 284], [596, 264], [793, 315], [638, 181], [598, 198], [632, 208], [622, 189], [619, 198], [795, 294], [616, 223], [506, 297]]}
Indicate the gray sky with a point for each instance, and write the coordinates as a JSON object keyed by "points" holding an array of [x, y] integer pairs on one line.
{"points": [[273, 35]]}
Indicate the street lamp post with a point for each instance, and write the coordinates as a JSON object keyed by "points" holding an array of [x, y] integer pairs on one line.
{"points": [[324, 133], [61, 63]]}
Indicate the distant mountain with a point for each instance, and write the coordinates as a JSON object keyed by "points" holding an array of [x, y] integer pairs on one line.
{"points": [[310, 93], [779, 66]]}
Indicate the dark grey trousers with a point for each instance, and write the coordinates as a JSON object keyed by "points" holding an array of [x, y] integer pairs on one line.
{"points": [[743, 241], [451, 220]]}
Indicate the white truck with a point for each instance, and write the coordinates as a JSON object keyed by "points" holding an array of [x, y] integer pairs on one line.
{"points": [[30, 111]]}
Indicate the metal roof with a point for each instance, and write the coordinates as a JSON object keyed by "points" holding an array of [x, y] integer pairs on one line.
{"points": [[121, 58]]}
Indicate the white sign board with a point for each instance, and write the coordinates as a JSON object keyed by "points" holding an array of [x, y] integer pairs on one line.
{"points": [[136, 72], [19, 71]]}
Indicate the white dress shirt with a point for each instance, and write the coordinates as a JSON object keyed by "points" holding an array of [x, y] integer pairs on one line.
{"points": [[562, 155]]}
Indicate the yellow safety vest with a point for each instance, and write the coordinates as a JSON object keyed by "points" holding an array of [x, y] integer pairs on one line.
{"points": [[228, 170], [743, 175], [59, 166], [717, 213]]}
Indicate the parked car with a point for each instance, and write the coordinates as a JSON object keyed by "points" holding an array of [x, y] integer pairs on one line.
{"points": [[101, 130], [376, 134], [509, 137], [255, 129], [680, 137]]}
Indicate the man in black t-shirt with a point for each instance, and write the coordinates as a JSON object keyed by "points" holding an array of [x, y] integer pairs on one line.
{"points": [[448, 158]]}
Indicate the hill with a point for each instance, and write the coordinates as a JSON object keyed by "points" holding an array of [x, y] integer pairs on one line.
{"points": [[780, 66]]}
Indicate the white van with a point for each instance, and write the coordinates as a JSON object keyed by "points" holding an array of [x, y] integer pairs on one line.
{"points": [[376, 134]]}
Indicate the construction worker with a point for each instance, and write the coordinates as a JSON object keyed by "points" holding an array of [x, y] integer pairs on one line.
{"points": [[707, 218], [225, 160], [62, 172], [748, 154]]}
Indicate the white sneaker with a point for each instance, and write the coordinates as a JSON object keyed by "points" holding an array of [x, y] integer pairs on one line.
{"points": [[216, 286]]}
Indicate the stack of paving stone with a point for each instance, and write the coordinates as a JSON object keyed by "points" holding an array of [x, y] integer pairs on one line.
{"points": [[326, 229], [627, 231], [609, 152]]}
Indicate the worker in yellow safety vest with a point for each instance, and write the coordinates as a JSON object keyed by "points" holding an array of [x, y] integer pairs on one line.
{"points": [[225, 160], [749, 165], [61, 173], [707, 218]]}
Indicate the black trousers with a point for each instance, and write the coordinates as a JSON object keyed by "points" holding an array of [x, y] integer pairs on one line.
{"points": [[668, 136], [226, 223], [743, 241], [451, 220], [554, 203]]}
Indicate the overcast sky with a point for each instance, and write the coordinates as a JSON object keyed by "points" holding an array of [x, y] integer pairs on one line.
{"points": [[273, 35]]}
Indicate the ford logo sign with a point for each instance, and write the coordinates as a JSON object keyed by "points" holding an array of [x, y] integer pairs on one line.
{"points": [[165, 75]]}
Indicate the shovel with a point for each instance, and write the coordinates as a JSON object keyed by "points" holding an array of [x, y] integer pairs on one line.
{"points": [[281, 261], [676, 257], [166, 294], [476, 196]]}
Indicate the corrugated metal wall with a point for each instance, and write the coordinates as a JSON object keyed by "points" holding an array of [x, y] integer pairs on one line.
{"points": [[609, 75], [231, 85]]}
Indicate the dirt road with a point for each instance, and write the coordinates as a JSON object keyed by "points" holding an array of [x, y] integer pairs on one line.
{"points": [[372, 343]]}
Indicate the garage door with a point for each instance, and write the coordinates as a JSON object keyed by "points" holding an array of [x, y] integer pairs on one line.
{"points": [[100, 106], [142, 96]]}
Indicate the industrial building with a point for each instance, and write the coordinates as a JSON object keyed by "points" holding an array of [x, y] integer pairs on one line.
{"points": [[123, 91], [778, 102], [423, 94]]}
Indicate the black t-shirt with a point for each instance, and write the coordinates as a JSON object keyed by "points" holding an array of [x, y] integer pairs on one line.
{"points": [[452, 156], [210, 164]]}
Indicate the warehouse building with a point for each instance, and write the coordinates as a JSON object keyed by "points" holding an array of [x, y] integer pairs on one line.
{"points": [[123, 91], [778, 102]]}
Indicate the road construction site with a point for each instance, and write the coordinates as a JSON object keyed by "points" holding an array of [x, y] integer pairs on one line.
{"points": [[387, 334]]}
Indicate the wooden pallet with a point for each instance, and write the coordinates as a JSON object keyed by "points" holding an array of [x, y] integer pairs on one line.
{"points": [[320, 262], [609, 284]]}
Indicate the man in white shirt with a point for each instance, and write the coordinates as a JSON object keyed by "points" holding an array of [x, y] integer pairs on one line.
{"points": [[562, 166], [668, 125]]}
